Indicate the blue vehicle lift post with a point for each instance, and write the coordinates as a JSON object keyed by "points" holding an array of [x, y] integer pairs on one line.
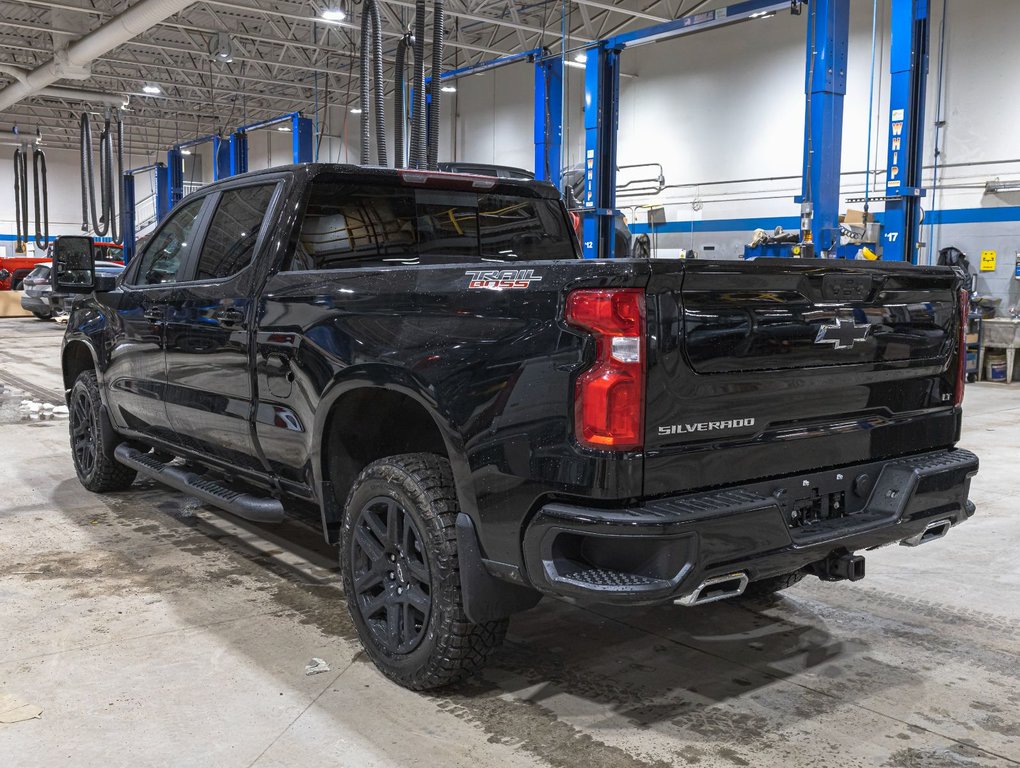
{"points": [[302, 140], [824, 88], [162, 202], [602, 104], [601, 116], [548, 119], [908, 66]]}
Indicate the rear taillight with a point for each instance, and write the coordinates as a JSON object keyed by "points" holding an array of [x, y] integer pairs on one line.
{"points": [[961, 366], [609, 398]]}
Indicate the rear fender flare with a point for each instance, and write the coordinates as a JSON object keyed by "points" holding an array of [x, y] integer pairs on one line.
{"points": [[393, 379]]}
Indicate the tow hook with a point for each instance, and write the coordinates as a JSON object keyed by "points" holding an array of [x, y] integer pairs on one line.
{"points": [[837, 567]]}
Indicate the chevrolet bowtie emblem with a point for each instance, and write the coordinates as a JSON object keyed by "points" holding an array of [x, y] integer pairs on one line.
{"points": [[842, 334]]}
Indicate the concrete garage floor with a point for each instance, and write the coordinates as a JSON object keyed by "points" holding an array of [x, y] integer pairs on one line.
{"points": [[153, 631]]}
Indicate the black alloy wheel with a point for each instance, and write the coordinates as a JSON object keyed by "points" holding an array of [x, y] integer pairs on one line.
{"points": [[84, 429], [92, 446], [392, 578]]}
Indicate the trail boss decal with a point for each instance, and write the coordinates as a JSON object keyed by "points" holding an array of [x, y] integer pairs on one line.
{"points": [[501, 279], [704, 426]]}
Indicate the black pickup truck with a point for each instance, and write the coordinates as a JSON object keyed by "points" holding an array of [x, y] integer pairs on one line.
{"points": [[480, 417]]}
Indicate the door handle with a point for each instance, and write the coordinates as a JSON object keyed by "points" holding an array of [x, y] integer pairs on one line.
{"points": [[229, 317], [153, 313]]}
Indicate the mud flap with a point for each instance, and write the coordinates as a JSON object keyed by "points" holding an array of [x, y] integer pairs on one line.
{"points": [[485, 597]]}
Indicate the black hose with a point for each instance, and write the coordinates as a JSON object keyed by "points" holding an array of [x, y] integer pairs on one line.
{"points": [[379, 98], [88, 181], [42, 215], [437, 71], [418, 149], [399, 112], [372, 104], [20, 198], [366, 107], [105, 218]]}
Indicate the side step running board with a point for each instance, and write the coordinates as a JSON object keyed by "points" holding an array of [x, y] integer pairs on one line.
{"points": [[258, 509]]}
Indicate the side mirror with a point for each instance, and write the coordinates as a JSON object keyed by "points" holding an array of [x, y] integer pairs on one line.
{"points": [[74, 264], [4, 275]]}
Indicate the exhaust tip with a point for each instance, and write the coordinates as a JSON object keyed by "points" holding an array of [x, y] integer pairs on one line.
{"points": [[932, 531], [715, 588]]}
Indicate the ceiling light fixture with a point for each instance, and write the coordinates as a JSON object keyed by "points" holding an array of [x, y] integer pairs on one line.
{"points": [[222, 48], [284, 128], [333, 13], [448, 88], [185, 151], [355, 110], [581, 58], [151, 89]]}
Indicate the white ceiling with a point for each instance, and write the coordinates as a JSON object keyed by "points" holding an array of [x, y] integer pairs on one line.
{"points": [[285, 58]]}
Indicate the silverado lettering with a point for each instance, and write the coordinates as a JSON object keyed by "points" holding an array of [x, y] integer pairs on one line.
{"points": [[705, 426]]}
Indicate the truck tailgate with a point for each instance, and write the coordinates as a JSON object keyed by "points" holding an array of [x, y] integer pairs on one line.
{"points": [[771, 367]]}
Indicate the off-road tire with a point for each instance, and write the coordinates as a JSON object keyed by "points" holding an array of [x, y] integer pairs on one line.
{"points": [[450, 647], [767, 588], [93, 459], [41, 316]]}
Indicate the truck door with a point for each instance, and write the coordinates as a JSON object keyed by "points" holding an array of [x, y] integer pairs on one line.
{"points": [[136, 374], [209, 390]]}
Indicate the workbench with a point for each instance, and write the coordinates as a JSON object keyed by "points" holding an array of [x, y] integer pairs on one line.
{"points": [[1000, 333]]}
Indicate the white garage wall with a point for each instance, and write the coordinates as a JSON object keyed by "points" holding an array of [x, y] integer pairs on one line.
{"points": [[723, 112]]}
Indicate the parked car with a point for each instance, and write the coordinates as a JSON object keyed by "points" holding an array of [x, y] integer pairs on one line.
{"points": [[481, 417], [38, 296]]}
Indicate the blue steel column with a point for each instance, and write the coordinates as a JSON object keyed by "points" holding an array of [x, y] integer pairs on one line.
{"points": [[908, 65], [163, 204], [825, 86], [221, 158], [175, 169], [238, 153], [127, 221], [601, 110], [301, 132], [548, 119]]}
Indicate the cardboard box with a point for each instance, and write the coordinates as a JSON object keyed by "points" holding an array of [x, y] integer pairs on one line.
{"points": [[10, 305]]}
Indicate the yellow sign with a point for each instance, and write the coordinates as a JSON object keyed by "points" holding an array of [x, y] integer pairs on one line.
{"points": [[987, 261]]}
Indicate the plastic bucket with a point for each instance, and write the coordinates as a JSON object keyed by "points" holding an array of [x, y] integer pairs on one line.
{"points": [[995, 368]]}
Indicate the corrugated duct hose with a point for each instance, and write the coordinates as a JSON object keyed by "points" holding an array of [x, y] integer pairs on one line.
{"points": [[41, 193], [418, 150], [371, 48], [21, 198], [110, 199], [399, 112], [437, 70]]}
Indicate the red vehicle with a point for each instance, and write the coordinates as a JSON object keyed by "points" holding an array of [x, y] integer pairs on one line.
{"points": [[14, 269]]}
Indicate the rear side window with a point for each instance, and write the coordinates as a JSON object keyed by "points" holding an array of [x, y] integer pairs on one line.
{"points": [[233, 232], [164, 254], [355, 225]]}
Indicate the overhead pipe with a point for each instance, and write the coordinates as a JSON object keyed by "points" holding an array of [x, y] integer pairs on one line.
{"points": [[437, 71], [88, 97], [71, 60]]}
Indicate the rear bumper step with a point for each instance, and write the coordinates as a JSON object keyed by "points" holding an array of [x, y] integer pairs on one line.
{"points": [[258, 509], [707, 546]]}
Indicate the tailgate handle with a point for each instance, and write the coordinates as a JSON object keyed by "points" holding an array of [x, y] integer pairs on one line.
{"points": [[847, 287]]}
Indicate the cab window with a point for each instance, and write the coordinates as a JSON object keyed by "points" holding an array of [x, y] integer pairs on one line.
{"points": [[165, 254], [230, 243]]}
